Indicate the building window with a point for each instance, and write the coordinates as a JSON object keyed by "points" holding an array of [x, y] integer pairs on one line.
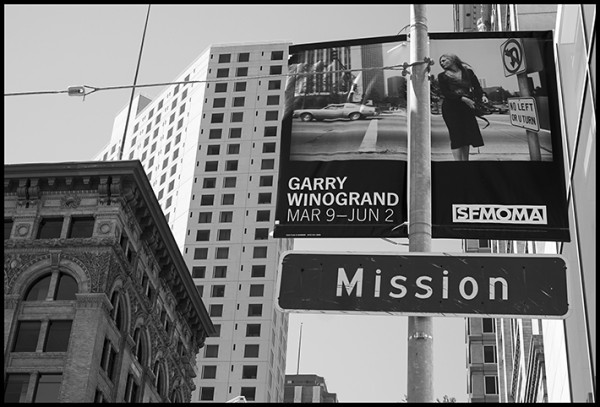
{"points": [[200, 290], [488, 325], [39, 290], [217, 117], [257, 290], [275, 85], [266, 181], [209, 183], [204, 217], [252, 330], [273, 100], [264, 198], [254, 310], [215, 133], [211, 351], [239, 101], [203, 235], [489, 354], [233, 149], [27, 336], [227, 199], [229, 182], [220, 272], [251, 351], [263, 216], [224, 58], [249, 393], [260, 252], [258, 271], [207, 200], [57, 336], [216, 310], [50, 228], [243, 57], [219, 102], [66, 289], [269, 147], [270, 131], [222, 72], [226, 217], [200, 253], [109, 356], [271, 115], [47, 388], [222, 253], [237, 117], [217, 291], [224, 235], [235, 132], [210, 166], [267, 164], [209, 372], [491, 385], [207, 393], [249, 372], [276, 55], [131, 390], [198, 271], [275, 70], [15, 388], [220, 87], [261, 234], [239, 87], [241, 71], [81, 227], [231, 165]]}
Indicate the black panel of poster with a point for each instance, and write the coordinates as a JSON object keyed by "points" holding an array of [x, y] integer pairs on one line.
{"points": [[497, 173]]}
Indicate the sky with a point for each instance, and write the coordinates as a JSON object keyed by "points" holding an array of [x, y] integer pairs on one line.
{"points": [[52, 47]]}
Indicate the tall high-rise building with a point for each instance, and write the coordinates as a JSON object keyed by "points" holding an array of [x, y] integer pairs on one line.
{"points": [[547, 359], [209, 143]]}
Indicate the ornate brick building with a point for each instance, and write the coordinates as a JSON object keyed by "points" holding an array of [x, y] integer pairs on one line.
{"points": [[98, 302]]}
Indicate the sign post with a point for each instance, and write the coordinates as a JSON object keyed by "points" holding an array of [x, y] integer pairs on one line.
{"points": [[420, 329]]}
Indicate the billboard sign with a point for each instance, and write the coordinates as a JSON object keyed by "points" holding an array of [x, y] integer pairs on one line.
{"points": [[425, 284], [344, 140]]}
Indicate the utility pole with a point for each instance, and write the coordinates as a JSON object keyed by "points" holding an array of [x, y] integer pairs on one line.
{"points": [[420, 329]]}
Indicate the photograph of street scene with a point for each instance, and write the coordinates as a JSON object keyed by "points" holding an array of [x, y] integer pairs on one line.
{"points": [[349, 102]]}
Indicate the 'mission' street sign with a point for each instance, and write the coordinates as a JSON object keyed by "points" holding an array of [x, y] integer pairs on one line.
{"points": [[492, 285]]}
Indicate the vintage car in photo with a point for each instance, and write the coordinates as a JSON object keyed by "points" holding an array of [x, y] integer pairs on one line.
{"points": [[352, 111]]}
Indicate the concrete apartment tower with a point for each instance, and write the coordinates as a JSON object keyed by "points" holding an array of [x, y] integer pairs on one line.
{"points": [[210, 146]]}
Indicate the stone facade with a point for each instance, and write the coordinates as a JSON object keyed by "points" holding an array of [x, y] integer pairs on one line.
{"points": [[136, 320]]}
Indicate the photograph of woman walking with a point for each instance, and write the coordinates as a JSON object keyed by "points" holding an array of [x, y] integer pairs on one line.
{"points": [[460, 89]]}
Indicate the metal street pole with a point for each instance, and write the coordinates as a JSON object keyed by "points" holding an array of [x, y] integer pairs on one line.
{"points": [[420, 329]]}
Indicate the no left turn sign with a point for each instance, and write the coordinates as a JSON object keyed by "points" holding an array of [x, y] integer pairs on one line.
{"points": [[513, 58]]}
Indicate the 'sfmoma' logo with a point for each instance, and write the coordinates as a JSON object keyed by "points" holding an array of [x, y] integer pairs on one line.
{"points": [[522, 214]]}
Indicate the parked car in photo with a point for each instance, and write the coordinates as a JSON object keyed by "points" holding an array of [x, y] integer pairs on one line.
{"points": [[352, 111]]}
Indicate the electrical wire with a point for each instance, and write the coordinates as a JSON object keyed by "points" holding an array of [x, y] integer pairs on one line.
{"points": [[270, 76]]}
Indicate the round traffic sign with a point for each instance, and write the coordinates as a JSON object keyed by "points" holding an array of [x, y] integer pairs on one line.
{"points": [[512, 56]]}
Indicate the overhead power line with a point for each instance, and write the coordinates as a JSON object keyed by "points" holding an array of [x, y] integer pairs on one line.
{"points": [[85, 90]]}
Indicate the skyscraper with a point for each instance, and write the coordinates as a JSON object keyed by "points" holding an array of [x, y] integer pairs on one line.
{"points": [[209, 143]]}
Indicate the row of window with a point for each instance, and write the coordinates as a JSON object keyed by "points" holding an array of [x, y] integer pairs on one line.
{"points": [[242, 71], [245, 57], [203, 235], [215, 149], [227, 216], [489, 354], [248, 371], [47, 387], [263, 198], [240, 101], [237, 117], [258, 271], [201, 253], [236, 132], [208, 393], [232, 165]]}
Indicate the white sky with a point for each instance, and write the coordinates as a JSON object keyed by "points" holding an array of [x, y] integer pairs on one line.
{"points": [[49, 48]]}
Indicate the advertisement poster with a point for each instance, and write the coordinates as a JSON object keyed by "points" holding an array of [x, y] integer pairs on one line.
{"points": [[495, 175]]}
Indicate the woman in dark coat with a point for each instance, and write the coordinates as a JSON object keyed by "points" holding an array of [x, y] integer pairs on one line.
{"points": [[459, 87]]}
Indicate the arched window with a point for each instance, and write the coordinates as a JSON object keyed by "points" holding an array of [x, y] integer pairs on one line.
{"points": [[140, 350], [39, 290], [160, 378], [66, 287], [117, 313]]}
